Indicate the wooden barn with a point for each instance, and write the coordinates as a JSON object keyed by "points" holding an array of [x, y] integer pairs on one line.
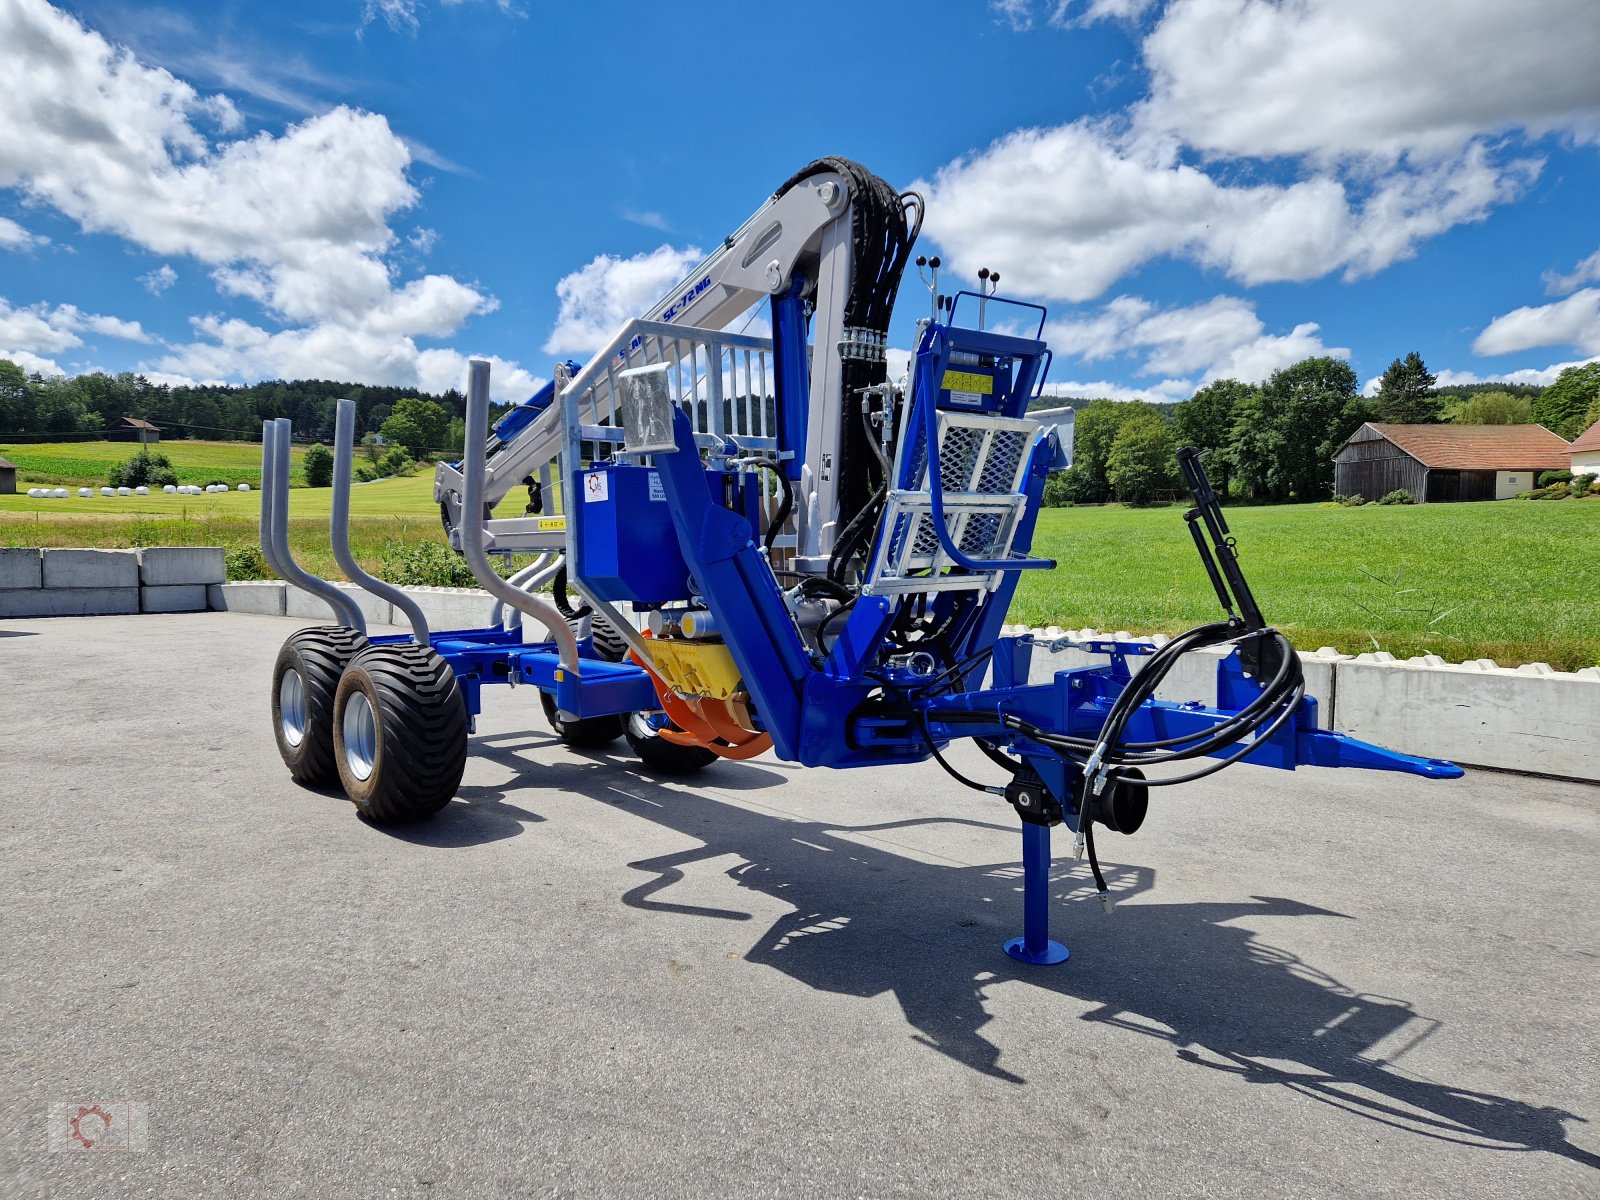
{"points": [[1446, 462], [132, 429], [8, 477]]}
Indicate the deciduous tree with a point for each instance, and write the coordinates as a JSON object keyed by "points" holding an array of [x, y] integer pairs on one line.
{"points": [[1495, 408], [1563, 407], [1141, 462]]}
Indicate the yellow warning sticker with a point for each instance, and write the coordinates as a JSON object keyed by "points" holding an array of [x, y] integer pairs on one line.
{"points": [[552, 522], [969, 381]]}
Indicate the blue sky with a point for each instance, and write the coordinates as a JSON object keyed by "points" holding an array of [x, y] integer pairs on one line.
{"points": [[375, 189]]}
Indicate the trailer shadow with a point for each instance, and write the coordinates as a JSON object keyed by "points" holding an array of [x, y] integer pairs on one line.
{"points": [[867, 919]]}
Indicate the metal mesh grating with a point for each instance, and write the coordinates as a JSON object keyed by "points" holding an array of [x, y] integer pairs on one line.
{"points": [[958, 455], [1000, 468]]}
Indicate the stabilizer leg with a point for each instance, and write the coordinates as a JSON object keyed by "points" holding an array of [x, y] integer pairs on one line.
{"points": [[1035, 946]]}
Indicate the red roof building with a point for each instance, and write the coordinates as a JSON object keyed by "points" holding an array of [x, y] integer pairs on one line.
{"points": [[1447, 462], [1585, 452]]}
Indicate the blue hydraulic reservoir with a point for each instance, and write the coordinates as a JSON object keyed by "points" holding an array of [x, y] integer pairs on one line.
{"points": [[627, 547]]}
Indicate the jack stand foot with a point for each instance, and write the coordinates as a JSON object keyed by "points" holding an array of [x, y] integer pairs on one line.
{"points": [[1034, 946], [1053, 952]]}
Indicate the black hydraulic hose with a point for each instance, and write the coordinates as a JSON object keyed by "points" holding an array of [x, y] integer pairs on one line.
{"points": [[927, 736], [775, 527], [1004, 761], [843, 549]]}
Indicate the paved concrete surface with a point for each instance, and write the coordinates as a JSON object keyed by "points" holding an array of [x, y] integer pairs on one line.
{"points": [[579, 981]]}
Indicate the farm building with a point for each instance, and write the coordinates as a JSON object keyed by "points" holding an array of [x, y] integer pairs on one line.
{"points": [[132, 429], [8, 477], [1585, 452], [1446, 462]]}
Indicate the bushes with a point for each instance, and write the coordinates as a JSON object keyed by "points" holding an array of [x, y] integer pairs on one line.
{"points": [[143, 470], [246, 562], [1355, 501], [1582, 483], [1550, 477], [424, 564], [1398, 496], [318, 466]]}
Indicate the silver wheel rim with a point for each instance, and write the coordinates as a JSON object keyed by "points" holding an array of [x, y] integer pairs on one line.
{"points": [[292, 707], [639, 726], [360, 735]]}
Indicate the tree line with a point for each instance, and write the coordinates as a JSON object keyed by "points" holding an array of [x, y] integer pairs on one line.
{"points": [[1276, 440], [37, 408]]}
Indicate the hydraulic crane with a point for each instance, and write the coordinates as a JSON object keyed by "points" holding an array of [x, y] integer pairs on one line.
{"points": [[764, 544]]}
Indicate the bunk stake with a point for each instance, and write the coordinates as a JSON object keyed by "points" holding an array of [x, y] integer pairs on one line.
{"points": [[1035, 946]]}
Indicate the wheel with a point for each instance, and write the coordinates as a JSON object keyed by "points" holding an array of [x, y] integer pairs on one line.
{"points": [[304, 680], [399, 733], [585, 733], [660, 755]]}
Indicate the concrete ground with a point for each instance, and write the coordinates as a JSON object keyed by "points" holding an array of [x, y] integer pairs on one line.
{"points": [[579, 981]]}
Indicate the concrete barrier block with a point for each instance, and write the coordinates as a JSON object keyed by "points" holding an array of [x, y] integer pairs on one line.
{"points": [[450, 608], [162, 566], [92, 569], [173, 598], [263, 596], [69, 602], [1516, 720], [21, 568], [298, 603]]}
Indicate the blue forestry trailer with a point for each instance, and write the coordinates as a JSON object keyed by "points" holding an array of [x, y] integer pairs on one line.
{"points": [[746, 545]]}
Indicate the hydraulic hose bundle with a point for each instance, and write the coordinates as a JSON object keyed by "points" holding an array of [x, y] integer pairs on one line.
{"points": [[1112, 769]]}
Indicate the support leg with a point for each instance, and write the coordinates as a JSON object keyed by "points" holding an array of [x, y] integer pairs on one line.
{"points": [[1035, 946]]}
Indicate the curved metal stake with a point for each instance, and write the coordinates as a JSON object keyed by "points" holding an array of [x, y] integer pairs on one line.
{"points": [[530, 579], [344, 441], [1034, 946], [275, 527], [540, 609]]}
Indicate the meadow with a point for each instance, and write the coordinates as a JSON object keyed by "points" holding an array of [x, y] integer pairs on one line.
{"points": [[84, 464], [1513, 581]]}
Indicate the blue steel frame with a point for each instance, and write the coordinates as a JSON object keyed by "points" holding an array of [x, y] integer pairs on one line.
{"points": [[852, 709]]}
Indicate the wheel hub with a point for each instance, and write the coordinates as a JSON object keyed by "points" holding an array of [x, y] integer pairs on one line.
{"points": [[292, 707], [360, 736]]}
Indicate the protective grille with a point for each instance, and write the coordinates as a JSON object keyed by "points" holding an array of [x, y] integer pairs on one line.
{"points": [[958, 454], [999, 473]]}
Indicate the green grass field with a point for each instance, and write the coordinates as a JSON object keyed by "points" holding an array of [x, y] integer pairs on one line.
{"points": [[84, 464], [1513, 581]]}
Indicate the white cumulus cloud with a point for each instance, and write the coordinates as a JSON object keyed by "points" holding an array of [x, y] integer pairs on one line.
{"points": [[159, 280], [605, 292], [231, 349], [1188, 346], [1343, 77], [17, 237], [1277, 140], [131, 150], [1065, 212], [1574, 322], [1538, 376], [1587, 271]]}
